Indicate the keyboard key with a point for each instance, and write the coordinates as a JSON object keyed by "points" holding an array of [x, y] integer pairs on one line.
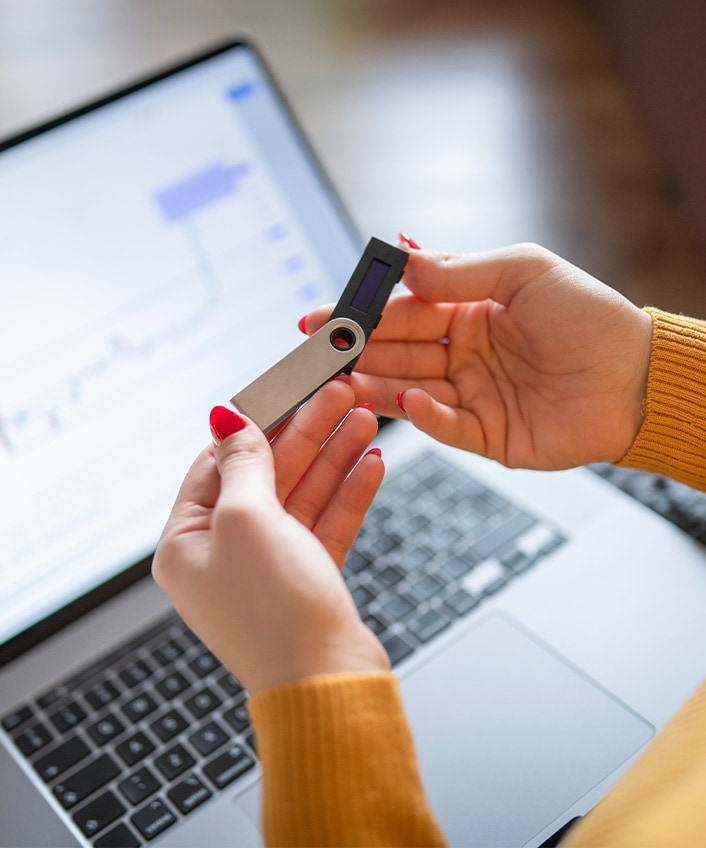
{"points": [[102, 694], [139, 786], [98, 814], [375, 624], [169, 725], [82, 783], [67, 717], [134, 673], [230, 685], [227, 767], [174, 762], [61, 758], [238, 717], [517, 561], [486, 578], [204, 664], [426, 588], [171, 685], [202, 703], [139, 707], [396, 647], [397, 607], [362, 596], [106, 729], [461, 602], [357, 561], [388, 577], [428, 625], [455, 567], [134, 749], [387, 542], [17, 717], [119, 836], [190, 636], [208, 738], [167, 652], [514, 526], [153, 819], [32, 739], [189, 794]]}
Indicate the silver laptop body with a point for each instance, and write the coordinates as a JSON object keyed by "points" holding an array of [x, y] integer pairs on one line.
{"points": [[156, 251]]}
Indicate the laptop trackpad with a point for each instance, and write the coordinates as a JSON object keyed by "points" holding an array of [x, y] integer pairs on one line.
{"points": [[510, 735]]}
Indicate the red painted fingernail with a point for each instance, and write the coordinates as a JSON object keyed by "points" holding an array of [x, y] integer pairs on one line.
{"points": [[224, 422], [368, 406], [400, 401], [302, 325], [410, 242], [374, 451]]}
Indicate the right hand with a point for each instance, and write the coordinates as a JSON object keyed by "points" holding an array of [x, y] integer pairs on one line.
{"points": [[514, 354]]}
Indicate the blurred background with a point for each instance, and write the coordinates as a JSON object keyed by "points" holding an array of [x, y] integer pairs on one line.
{"points": [[467, 123]]}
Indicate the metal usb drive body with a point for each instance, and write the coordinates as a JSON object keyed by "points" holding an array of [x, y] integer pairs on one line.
{"points": [[332, 350]]}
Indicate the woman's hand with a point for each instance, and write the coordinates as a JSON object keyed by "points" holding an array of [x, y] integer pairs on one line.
{"points": [[514, 354], [251, 553]]}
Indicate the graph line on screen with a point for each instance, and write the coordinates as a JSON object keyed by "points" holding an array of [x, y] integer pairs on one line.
{"points": [[179, 204]]}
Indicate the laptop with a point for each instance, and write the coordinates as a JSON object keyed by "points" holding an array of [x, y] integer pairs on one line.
{"points": [[157, 248]]}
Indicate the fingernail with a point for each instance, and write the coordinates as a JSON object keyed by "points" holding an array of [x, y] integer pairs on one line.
{"points": [[374, 451], [400, 401], [224, 422], [302, 325], [410, 242], [368, 406]]}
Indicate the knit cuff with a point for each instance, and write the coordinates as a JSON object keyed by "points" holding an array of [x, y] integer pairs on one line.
{"points": [[672, 439], [339, 766]]}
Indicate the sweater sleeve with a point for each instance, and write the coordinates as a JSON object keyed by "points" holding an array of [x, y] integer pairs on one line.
{"points": [[672, 439], [339, 766], [660, 800]]}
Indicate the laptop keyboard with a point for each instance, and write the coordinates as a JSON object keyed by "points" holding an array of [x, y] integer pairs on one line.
{"points": [[433, 546], [150, 733]]}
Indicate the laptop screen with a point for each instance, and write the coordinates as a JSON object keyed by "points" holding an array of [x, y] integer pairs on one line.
{"points": [[156, 252]]}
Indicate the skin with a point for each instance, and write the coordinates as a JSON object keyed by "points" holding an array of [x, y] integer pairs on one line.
{"points": [[252, 551], [514, 354]]}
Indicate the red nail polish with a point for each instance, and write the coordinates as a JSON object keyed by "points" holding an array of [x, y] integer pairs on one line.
{"points": [[410, 242], [400, 401], [368, 406], [224, 422], [302, 325], [374, 451]]}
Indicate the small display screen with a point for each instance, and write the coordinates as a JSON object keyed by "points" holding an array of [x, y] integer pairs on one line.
{"points": [[369, 285]]}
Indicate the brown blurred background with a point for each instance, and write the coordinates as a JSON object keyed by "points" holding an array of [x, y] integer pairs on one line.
{"points": [[468, 123]]}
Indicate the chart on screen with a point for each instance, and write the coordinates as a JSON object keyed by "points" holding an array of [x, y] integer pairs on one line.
{"points": [[129, 270]]}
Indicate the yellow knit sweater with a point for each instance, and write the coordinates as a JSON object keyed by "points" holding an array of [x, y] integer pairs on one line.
{"points": [[338, 760]]}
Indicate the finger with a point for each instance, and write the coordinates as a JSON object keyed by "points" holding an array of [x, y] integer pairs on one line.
{"points": [[405, 316], [496, 274], [201, 485], [299, 443], [340, 522], [382, 392], [404, 360], [332, 465], [191, 514], [244, 462], [445, 423], [316, 319]]}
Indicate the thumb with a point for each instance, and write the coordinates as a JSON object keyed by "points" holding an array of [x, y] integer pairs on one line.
{"points": [[493, 274], [243, 458]]}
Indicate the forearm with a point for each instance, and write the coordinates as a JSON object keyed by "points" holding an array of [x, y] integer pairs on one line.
{"points": [[672, 439], [339, 766]]}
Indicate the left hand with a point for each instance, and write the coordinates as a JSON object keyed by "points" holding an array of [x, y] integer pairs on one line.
{"points": [[251, 553]]}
